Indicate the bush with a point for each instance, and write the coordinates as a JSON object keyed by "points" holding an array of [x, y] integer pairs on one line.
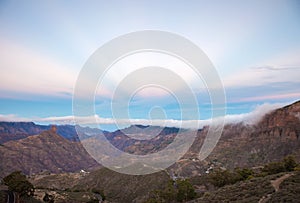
{"points": [[185, 190], [297, 168], [17, 182], [289, 163], [273, 168], [220, 178], [244, 173], [176, 191]]}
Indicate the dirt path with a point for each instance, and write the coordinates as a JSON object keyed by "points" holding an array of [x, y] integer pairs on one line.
{"points": [[276, 183]]}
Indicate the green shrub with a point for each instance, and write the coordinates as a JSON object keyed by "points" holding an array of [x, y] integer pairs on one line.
{"points": [[185, 190], [274, 167], [297, 168], [219, 178], [176, 191], [289, 163], [244, 173], [17, 182]]}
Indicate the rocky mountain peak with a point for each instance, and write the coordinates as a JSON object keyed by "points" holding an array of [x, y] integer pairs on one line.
{"points": [[53, 129]]}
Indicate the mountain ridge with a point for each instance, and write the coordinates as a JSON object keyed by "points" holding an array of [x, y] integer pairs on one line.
{"points": [[46, 151], [241, 145]]}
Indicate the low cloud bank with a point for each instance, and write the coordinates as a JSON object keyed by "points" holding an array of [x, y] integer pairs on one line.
{"points": [[249, 118]]}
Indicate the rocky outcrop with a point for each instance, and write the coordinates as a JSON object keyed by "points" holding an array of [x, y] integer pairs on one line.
{"points": [[275, 136]]}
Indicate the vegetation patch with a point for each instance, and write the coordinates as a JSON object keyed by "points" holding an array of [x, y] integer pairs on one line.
{"points": [[289, 190], [176, 191]]}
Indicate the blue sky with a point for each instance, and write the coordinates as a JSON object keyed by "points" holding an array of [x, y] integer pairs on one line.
{"points": [[254, 45]]}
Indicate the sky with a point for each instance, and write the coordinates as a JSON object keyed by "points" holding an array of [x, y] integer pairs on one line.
{"points": [[253, 45]]}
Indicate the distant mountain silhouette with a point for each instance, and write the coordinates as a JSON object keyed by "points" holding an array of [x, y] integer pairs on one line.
{"points": [[19, 130]]}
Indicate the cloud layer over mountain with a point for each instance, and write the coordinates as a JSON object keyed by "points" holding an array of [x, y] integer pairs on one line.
{"points": [[249, 118]]}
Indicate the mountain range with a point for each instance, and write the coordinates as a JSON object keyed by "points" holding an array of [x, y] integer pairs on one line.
{"points": [[33, 148], [241, 145]]}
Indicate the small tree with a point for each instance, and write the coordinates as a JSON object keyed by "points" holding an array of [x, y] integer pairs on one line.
{"points": [[219, 178], [17, 182], [176, 191], [244, 173], [273, 168], [185, 190], [289, 163]]}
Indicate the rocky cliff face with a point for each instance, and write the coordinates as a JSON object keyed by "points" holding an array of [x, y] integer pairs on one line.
{"points": [[275, 136], [282, 123]]}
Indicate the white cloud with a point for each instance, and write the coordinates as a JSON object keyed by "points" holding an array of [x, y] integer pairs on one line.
{"points": [[255, 115], [281, 68], [13, 118], [248, 118], [263, 75]]}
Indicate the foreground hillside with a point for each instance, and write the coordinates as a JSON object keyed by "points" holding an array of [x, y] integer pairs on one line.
{"points": [[276, 182], [115, 187], [282, 187]]}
